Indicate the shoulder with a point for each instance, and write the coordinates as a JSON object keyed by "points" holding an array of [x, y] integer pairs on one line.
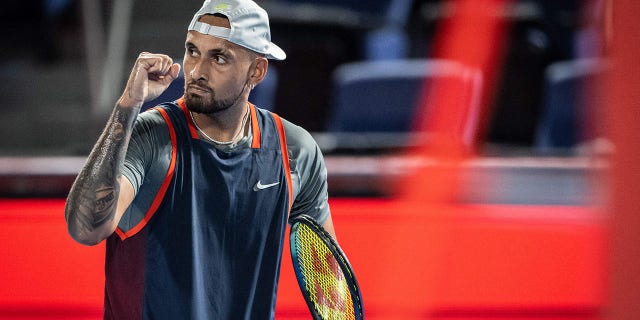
{"points": [[150, 122], [151, 117], [299, 139], [149, 146], [150, 138], [308, 173], [305, 156]]}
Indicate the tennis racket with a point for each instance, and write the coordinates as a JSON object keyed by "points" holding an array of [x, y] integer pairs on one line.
{"points": [[324, 274]]}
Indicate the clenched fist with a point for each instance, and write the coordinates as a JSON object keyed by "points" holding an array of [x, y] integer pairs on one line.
{"points": [[151, 75]]}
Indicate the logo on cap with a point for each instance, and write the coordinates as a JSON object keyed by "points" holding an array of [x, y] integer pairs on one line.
{"points": [[221, 6]]}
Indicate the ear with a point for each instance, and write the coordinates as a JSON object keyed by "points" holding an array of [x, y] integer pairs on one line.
{"points": [[259, 71]]}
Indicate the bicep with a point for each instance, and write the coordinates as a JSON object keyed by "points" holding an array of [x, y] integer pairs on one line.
{"points": [[149, 130], [125, 198], [309, 177]]}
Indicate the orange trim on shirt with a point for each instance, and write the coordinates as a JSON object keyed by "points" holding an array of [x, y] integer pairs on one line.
{"points": [[285, 156], [165, 183], [185, 110], [255, 128]]}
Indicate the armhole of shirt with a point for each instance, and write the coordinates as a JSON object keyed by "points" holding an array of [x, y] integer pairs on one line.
{"points": [[163, 188], [285, 157]]}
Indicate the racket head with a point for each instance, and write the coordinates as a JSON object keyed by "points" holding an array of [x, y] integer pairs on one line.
{"points": [[324, 274]]}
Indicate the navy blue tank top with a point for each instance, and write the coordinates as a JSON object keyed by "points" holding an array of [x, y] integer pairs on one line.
{"points": [[210, 244]]}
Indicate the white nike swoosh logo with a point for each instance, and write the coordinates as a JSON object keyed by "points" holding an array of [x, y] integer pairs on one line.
{"points": [[260, 186]]}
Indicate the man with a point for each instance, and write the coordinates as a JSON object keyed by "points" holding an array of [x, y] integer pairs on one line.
{"points": [[193, 196]]}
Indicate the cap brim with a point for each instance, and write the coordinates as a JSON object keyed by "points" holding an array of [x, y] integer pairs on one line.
{"points": [[275, 52]]}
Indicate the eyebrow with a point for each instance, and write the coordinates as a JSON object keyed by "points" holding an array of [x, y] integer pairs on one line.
{"points": [[222, 50]]}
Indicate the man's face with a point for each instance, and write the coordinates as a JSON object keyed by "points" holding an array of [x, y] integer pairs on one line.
{"points": [[216, 71]]}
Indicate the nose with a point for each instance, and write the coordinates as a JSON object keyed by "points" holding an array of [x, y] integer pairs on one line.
{"points": [[199, 71]]}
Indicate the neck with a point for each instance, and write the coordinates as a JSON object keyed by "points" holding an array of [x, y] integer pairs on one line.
{"points": [[223, 127]]}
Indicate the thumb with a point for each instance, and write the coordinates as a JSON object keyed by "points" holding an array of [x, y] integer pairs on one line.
{"points": [[174, 71], [172, 74]]}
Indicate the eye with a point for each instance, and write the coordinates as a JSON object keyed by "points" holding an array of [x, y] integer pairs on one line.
{"points": [[191, 52], [219, 59]]}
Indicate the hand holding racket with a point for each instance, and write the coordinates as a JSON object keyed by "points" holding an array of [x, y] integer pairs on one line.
{"points": [[324, 274]]}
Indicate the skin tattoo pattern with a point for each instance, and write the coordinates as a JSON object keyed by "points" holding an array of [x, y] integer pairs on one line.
{"points": [[94, 194]]}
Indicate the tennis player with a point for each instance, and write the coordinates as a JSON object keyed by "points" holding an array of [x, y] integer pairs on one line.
{"points": [[193, 196]]}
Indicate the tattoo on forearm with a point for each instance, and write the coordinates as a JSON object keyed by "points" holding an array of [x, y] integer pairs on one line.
{"points": [[96, 209], [94, 195]]}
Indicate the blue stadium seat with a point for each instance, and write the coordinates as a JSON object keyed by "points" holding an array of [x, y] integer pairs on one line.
{"points": [[379, 98], [567, 110]]}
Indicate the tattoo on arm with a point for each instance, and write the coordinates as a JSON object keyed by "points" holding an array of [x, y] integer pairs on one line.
{"points": [[93, 198]]}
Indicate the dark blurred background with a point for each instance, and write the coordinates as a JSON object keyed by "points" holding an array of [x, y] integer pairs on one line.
{"points": [[64, 62], [524, 234]]}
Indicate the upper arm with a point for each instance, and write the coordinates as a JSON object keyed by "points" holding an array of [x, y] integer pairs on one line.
{"points": [[148, 135], [309, 175], [125, 198], [103, 190]]}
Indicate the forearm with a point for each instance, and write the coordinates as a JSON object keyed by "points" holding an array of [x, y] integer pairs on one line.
{"points": [[92, 202]]}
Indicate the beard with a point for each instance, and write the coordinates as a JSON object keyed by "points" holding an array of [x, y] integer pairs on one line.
{"points": [[199, 104]]}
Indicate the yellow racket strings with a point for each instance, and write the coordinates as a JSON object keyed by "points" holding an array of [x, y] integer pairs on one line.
{"points": [[324, 279]]}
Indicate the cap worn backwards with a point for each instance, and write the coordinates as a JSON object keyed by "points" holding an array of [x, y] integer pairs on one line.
{"points": [[249, 26]]}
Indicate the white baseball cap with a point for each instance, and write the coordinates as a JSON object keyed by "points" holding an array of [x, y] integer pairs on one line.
{"points": [[249, 26]]}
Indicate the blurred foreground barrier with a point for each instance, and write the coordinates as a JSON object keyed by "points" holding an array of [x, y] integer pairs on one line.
{"points": [[413, 262]]}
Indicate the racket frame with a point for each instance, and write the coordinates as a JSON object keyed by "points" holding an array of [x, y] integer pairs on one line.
{"points": [[338, 254]]}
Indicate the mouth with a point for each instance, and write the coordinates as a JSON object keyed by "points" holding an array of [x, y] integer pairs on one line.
{"points": [[196, 89]]}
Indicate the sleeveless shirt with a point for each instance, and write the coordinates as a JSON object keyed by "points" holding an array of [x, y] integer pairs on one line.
{"points": [[206, 241]]}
